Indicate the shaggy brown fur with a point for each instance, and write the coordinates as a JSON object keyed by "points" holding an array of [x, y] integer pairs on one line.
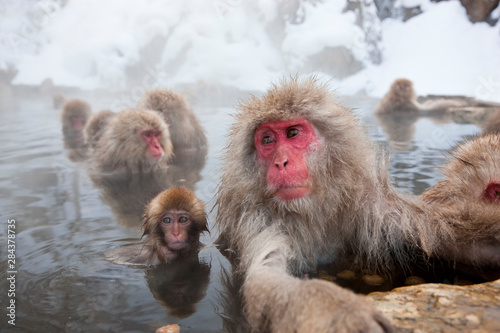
{"points": [[492, 124], [352, 209], [174, 199], [96, 125], [121, 147], [186, 131], [402, 98], [460, 200]]}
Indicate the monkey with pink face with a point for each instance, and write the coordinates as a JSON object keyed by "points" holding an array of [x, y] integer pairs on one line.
{"points": [[302, 185]]}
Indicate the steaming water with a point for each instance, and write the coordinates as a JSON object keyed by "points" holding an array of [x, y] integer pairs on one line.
{"points": [[64, 226]]}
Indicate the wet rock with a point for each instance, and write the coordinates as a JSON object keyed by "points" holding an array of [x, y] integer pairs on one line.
{"points": [[442, 308], [373, 280], [414, 280], [346, 275], [174, 328]]}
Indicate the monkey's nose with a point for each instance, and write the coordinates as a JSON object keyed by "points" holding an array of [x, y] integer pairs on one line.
{"points": [[281, 161]]}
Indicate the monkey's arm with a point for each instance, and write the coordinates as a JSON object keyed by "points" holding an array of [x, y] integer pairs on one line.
{"points": [[278, 302]]}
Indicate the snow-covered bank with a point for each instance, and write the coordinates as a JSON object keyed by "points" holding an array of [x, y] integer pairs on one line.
{"points": [[120, 43]]}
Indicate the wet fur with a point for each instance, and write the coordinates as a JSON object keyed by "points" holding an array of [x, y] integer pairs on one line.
{"points": [[186, 131], [178, 199], [121, 148], [96, 125], [353, 209]]}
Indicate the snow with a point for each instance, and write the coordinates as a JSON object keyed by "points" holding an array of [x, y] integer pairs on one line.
{"points": [[248, 45]]}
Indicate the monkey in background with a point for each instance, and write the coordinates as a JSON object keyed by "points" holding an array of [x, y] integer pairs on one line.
{"points": [[172, 224], [74, 116], [401, 97], [134, 141], [302, 185], [96, 125], [187, 134]]}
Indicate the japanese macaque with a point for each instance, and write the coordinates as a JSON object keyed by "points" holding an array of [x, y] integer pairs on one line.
{"points": [[302, 185], [96, 125], [134, 141], [186, 132], [492, 124], [172, 224], [402, 98], [468, 199], [74, 116]]}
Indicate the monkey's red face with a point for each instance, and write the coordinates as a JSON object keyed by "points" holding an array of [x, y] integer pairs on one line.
{"points": [[492, 192], [175, 227], [78, 122], [283, 148], [154, 148]]}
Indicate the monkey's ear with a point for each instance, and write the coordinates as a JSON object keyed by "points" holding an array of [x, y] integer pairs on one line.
{"points": [[146, 227], [492, 192]]}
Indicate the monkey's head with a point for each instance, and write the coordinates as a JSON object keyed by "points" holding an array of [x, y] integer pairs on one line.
{"points": [[169, 103], [75, 115], [136, 139], [174, 220], [402, 90], [473, 171], [178, 115], [291, 145]]}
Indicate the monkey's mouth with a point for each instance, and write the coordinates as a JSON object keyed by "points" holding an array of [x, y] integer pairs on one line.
{"points": [[177, 245], [289, 193], [156, 157]]}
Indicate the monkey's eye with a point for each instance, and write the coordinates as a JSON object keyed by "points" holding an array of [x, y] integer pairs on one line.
{"points": [[292, 132], [267, 140], [167, 220], [183, 219], [157, 133], [147, 134]]}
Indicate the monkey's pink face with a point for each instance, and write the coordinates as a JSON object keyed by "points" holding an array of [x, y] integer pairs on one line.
{"points": [[283, 148], [492, 193], [175, 227], [154, 149], [78, 122]]}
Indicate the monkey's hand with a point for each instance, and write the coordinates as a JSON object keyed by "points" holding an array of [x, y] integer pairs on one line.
{"points": [[278, 302]]}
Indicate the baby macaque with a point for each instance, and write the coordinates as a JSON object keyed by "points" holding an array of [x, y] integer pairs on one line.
{"points": [[172, 224]]}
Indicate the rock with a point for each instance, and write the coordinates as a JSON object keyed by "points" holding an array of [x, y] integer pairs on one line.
{"points": [[373, 280], [174, 328], [479, 10], [442, 308], [346, 275], [414, 280]]}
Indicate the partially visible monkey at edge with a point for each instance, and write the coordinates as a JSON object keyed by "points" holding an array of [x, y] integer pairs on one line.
{"points": [[172, 224]]}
